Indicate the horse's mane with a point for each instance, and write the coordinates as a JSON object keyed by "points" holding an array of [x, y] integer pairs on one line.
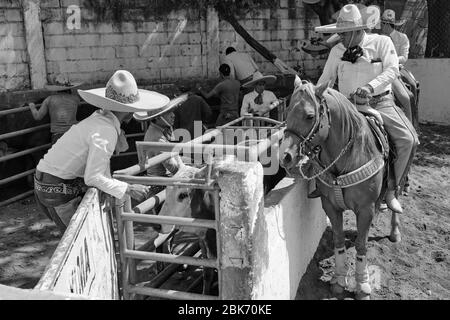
{"points": [[364, 147]]}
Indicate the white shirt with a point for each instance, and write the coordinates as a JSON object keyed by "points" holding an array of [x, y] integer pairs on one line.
{"points": [[379, 75], [241, 64], [401, 43], [249, 101], [84, 151]]}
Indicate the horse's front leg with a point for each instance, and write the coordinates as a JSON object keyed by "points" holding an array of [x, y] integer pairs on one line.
{"points": [[339, 280], [363, 220], [395, 235]]}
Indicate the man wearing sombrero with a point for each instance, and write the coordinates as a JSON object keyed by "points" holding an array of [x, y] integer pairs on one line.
{"points": [[259, 100], [82, 155], [62, 108], [365, 66]]}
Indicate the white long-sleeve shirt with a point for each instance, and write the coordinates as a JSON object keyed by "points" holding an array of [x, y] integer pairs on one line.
{"points": [[84, 151], [241, 65], [248, 102], [378, 66]]}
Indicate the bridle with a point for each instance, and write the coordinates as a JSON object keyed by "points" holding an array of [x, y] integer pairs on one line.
{"points": [[306, 143]]}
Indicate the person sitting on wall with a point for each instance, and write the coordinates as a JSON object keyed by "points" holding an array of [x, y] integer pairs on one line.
{"points": [[194, 109], [241, 64], [81, 157], [259, 100], [228, 92], [401, 43], [61, 107]]}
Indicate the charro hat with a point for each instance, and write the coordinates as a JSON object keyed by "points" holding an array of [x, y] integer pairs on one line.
{"points": [[122, 94], [258, 76], [63, 86], [152, 114], [351, 18], [311, 1], [389, 17]]}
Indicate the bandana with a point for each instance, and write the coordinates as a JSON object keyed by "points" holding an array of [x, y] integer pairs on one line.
{"points": [[352, 54]]}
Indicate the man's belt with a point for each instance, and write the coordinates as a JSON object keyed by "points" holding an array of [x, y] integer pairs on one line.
{"points": [[381, 94], [364, 101], [54, 184]]}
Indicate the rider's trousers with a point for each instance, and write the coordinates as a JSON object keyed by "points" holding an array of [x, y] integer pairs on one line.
{"points": [[401, 132]]}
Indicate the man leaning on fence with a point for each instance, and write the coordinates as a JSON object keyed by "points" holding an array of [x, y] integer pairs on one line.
{"points": [[81, 157]]}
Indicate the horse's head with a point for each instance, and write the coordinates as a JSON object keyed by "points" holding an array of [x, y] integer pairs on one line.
{"points": [[304, 125]]}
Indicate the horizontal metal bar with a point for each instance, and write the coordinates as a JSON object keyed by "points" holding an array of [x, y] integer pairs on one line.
{"points": [[150, 203], [145, 218], [152, 244], [16, 198], [163, 181], [170, 294], [188, 147], [171, 258], [124, 154], [134, 135], [137, 169], [24, 152], [17, 176], [24, 131], [16, 110]]}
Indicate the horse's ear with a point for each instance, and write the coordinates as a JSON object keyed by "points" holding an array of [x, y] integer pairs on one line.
{"points": [[297, 82], [320, 89]]}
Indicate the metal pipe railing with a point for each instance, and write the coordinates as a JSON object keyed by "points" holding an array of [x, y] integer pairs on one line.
{"points": [[192, 222], [16, 198], [170, 294], [150, 203], [17, 176], [24, 152], [24, 131], [171, 258]]}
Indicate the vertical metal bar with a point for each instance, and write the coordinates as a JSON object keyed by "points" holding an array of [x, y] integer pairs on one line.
{"points": [[129, 236], [118, 204], [218, 240]]}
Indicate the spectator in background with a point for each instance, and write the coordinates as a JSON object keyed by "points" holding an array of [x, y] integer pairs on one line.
{"points": [[193, 109], [62, 108], [242, 66], [228, 92], [259, 100], [401, 44]]}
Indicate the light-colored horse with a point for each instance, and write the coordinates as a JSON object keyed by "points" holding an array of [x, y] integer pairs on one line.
{"points": [[327, 127]]}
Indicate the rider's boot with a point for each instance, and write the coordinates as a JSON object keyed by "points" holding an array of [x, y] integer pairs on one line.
{"points": [[363, 289], [339, 280], [392, 202]]}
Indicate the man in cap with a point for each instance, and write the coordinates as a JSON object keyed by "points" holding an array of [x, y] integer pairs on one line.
{"points": [[82, 155], [366, 65], [401, 43], [242, 66], [62, 108], [259, 100]]}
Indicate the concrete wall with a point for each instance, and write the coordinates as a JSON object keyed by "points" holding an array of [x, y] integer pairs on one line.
{"points": [[14, 71], [182, 45], [434, 78], [287, 235]]}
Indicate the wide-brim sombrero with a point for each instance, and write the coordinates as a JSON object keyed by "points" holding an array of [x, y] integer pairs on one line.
{"points": [[370, 18], [315, 49], [59, 87], [148, 101], [257, 77], [149, 115]]}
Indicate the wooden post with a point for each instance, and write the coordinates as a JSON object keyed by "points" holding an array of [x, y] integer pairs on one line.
{"points": [[35, 43], [212, 43]]}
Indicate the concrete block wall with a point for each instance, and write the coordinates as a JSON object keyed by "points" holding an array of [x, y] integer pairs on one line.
{"points": [[153, 51], [14, 70]]}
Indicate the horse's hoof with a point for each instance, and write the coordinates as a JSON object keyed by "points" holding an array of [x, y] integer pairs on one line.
{"points": [[362, 296], [395, 237], [337, 289]]}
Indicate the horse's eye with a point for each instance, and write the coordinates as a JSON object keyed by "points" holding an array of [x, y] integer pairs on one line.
{"points": [[309, 117], [182, 196]]}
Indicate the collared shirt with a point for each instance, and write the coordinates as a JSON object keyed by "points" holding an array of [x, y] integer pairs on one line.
{"points": [[401, 43], [248, 103], [378, 66], [84, 151], [156, 133], [241, 64]]}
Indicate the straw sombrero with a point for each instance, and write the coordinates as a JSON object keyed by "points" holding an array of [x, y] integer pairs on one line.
{"points": [[122, 94], [62, 87], [352, 18], [148, 115], [389, 17], [258, 76]]}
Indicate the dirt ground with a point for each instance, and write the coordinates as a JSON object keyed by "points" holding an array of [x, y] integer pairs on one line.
{"points": [[416, 268]]}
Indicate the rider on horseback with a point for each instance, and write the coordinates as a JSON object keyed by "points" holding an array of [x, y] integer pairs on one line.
{"points": [[365, 66]]}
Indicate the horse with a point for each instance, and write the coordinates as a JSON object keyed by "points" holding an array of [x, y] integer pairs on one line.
{"points": [[193, 203], [326, 131]]}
